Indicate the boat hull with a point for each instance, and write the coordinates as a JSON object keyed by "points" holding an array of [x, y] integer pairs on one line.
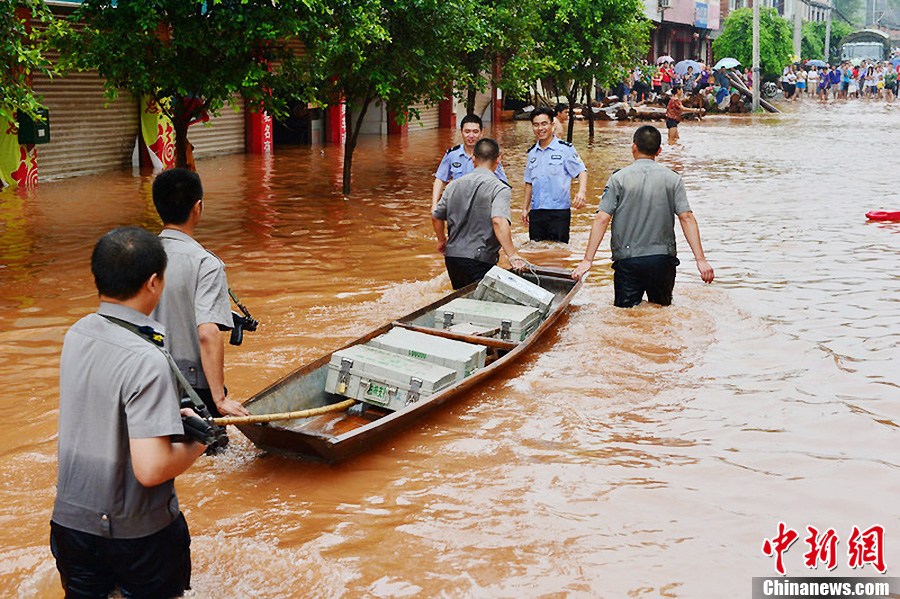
{"points": [[336, 437]]}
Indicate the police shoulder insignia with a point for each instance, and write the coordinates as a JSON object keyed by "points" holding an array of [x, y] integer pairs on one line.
{"points": [[454, 148], [457, 164], [565, 143]]}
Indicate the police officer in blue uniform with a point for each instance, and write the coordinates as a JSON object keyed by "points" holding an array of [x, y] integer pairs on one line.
{"points": [[551, 166], [457, 161]]}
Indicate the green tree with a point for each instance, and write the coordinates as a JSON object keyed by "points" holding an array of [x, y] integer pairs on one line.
{"points": [[387, 51], [501, 31], [22, 54], [588, 40], [813, 41], [191, 56], [776, 40]]}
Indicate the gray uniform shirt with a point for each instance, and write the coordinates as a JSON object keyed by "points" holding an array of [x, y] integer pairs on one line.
{"points": [[643, 199], [468, 205], [113, 386], [195, 292]]}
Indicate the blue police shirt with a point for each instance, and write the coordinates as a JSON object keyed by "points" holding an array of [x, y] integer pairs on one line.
{"points": [[457, 163], [550, 171]]}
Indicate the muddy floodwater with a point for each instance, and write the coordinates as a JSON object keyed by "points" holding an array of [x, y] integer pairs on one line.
{"points": [[633, 453]]}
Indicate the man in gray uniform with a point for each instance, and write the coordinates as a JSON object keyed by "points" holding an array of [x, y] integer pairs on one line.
{"points": [[644, 199], [116, 520], [475, 208], [195, 307]]}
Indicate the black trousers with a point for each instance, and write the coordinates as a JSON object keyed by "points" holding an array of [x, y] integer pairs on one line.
{"points": [[464, 271], [206, 396], [157, 566], [654, 275], [549, 225]]}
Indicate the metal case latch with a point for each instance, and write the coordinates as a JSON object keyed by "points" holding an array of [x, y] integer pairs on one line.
{"points": [[448, 319], [415, 385], [505, 326], [344, 375]]}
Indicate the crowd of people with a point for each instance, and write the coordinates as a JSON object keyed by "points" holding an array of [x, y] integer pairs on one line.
{"points": [[869, 79], [699, 85], [859, 79]]}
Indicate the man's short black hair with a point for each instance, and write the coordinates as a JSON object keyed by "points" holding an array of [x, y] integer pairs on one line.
{"points": [[174, 194], [648, 140], [560, 108], [124, 259], [471, 118], [548, 112], [486, 150]]}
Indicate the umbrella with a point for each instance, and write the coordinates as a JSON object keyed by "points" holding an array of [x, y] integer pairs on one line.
{"points": [[816, 63], [665, 58], [728, 63], [682, 67]]}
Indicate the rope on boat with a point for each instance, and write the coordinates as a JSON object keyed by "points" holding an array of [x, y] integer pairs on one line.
{"points": [[261, 418]]}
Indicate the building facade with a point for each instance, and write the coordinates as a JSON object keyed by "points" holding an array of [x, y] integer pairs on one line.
{"points": [[683, 29]]}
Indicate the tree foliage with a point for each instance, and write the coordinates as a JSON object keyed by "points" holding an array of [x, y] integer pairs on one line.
{"points": [[483, 34], [813, 41], [192, 56], [22, 55], [776, 40], [389, 51], [587, 40]]}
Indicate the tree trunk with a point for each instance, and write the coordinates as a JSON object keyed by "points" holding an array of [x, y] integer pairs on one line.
{"points": [[181, 117], [181, 143], [570, 96], [590, 110], [350, 144], [470, 100]]}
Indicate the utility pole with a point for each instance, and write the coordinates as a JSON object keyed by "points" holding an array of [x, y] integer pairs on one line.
{"points": [[828, 34], [798, 27], [756, 55]]}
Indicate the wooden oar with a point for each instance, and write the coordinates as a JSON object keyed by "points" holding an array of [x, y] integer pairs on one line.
{"points": [[261, 418]]}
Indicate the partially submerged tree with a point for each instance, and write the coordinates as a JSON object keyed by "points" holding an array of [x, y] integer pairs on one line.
{"points": [[190, 56], [589, 40], [22, 55], [776, 40], [387, 51], [488, 35]]}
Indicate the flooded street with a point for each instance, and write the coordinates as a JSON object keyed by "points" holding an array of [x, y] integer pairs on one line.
{"points": [[634, 453]]}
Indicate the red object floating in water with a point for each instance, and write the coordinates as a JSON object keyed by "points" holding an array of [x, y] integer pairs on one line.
{"points": [[883, 215]]}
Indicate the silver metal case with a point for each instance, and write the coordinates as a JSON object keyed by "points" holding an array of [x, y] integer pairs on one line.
{"points": [[464, 358], [515, 322], [384, 378], [502, 286]]}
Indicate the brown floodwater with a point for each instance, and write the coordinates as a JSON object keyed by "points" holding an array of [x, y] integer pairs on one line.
{"points": [[634, 453]]}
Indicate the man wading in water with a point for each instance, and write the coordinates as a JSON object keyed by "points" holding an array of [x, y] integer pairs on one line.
{"points": [[644, 199], [475, 211]]}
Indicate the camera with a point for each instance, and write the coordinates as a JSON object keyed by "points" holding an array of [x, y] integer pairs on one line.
{"points": [[241, 323], [202, 428]]}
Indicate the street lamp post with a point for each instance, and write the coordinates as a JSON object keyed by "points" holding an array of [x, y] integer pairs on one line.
{"points": [[756, 55]]}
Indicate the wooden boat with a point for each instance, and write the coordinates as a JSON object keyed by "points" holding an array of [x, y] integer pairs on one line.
{"points": [[335, 436]]}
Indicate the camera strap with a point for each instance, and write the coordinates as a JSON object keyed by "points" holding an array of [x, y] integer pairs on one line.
{"points": [[155, 338]]}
